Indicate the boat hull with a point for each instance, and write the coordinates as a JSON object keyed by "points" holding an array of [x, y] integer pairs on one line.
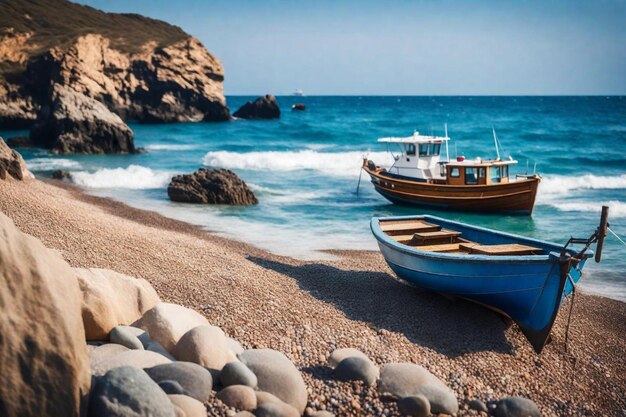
{"points": [[516, 197], [528, 289]]}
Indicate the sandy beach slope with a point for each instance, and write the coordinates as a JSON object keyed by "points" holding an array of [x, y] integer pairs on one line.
{"points": [[307, 309]]}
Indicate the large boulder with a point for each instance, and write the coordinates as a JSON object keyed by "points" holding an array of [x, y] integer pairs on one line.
{"points": [[211, 186], [340, 354], [277, 375], [128, 392], [264, 107], [167, 323], [12, 163], [110, 299], [410, 380], [76, 123], [356, 369], [43, 358], [206, 346]]}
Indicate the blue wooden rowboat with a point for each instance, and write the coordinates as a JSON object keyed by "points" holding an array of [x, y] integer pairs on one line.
{"points": [[525, 279]]}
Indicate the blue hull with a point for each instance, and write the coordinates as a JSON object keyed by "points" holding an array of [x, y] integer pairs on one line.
{"points": [[529, 289]]}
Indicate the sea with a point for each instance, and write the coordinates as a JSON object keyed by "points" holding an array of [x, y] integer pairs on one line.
{"points": [[305, 168]]}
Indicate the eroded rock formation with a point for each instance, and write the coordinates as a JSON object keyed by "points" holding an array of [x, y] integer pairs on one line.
{"points": [[83, 85], [12, 164], [211, 186], [264, 107]]}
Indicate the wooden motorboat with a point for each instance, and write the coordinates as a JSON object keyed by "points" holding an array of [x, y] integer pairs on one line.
{"points": [[525, 279], [419, 177]]}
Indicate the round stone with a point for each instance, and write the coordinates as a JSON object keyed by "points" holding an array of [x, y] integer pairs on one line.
{"points": [[136, 358], [190, 406], [517, 407], [237, 373], [478, 406], [172, 387], [407, 380], [277, 375], [125, 337], [127, 391], [240, 397], [263, 397], [234, 346], [206, 346], [355, 368], [276, 410], [194, 379], [340, 354], [417, 406]]}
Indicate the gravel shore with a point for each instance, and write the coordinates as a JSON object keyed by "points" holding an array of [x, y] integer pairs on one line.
{"points": [[307, 309]]}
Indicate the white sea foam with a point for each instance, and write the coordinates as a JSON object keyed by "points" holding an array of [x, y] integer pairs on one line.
{"points": [[49, 164], [616, 208], [343, 164], [133, 177], [278, 196], [552, 185], [170, 147]]}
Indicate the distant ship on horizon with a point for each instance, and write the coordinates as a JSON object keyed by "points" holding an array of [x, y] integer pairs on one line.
{"points": [[298, 93]]}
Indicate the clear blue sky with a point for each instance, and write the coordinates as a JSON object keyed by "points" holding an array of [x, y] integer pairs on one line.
{"points": [[416, 47]]}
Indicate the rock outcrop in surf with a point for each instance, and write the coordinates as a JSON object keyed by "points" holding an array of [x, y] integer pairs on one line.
{"points": [[211, 186]]}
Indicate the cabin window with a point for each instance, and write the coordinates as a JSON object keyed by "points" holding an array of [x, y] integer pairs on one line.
{"points": [[471, 177], [481, 172], [494, 173], [424, 149], [505, 171], [410, 149], [454, 172], [436, 149]]}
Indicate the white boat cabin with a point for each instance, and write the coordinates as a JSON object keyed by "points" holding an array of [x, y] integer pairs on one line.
{"points": [[421, 159]]}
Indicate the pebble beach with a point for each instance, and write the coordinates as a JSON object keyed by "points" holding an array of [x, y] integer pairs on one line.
{"points": [[308, 309]]}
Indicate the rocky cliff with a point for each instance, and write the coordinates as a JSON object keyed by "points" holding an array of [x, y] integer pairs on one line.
{"points": [[56, 55]]}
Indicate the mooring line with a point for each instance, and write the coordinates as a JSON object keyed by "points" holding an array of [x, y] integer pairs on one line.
{"points": [[615, 234]]}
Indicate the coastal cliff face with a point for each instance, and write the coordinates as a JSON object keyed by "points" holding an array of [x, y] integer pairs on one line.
{"points": [[132, 67]]}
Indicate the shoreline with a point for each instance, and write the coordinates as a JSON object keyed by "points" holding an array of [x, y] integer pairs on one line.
{"points": [[307, 308]]}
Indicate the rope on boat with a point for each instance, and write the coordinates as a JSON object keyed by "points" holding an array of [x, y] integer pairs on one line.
{"points": [[615, 234], [571, 308], [358, 184]]}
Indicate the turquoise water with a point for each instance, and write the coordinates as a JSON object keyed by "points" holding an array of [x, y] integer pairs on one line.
{"points": [[304, 168]]}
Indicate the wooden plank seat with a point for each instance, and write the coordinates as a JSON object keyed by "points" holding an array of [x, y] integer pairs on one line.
{"points": [[410, 226], [444, 234], [505, 249], [445, 247]]}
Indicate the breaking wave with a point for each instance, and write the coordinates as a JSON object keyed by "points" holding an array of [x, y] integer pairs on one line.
{"points": [[561, 184], [616, 208], [50, 164], [134, 177], [343, 164]]}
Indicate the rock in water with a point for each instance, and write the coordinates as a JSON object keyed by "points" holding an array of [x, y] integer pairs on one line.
{"points": [[43, 358], [298, 106], [76, 123], [194, 379], [110, 299], [128, 392], [517, 407], [264, 107], [19, 142], [211, 186], [277, 375], [61, 174], [12, 163], [407, 379]]}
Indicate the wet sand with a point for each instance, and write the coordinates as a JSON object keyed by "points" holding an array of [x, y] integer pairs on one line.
{"points": [[306, 309]]}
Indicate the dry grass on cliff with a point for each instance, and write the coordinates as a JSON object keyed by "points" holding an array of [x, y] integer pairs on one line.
{"points": [[57, 22]]}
